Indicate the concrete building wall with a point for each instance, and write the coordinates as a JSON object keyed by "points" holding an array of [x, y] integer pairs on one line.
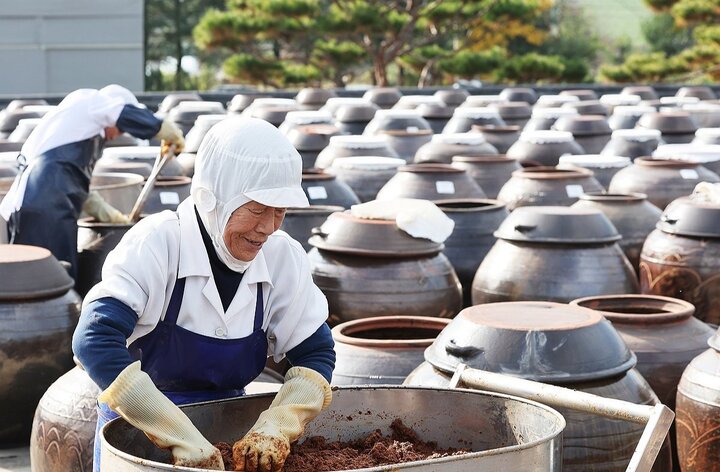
{"points": [[56, 46]]}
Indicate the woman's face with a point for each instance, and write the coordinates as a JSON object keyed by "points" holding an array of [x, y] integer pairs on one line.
{"points": [[249, 227]]}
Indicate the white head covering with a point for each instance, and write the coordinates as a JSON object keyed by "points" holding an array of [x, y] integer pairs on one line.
{"points": [[239, 160]]}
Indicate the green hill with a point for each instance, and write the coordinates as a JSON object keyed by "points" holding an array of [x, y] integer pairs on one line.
{"points": [[615, 18]]}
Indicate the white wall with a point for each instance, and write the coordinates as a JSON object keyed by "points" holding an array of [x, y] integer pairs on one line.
{"points": [[56, 46]]}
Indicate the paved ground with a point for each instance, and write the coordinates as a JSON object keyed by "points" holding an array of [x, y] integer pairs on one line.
{"points": [[15, 460]]}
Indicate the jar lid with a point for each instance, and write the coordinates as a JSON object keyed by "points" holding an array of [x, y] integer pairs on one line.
{"points": [[131, 152], [482, 100], [210, 119], [476, 112], [546, 137], [553, 112], [687, 217], [358, 141], [314, 95], [639, 135], [348, 234], [201, 105], [433, 110], [541, 341], [307, 117], [452, 97], [412, 101], [708, 133], [701, 107], [469, 139], [382, 95], [595, 160], [633, 110], [670, 122], [30, 272], [583, 125], [678, 100], [402, 114], [638, 309], [274, 102], [613, 99], [556, 99], [367, 163], [513, 109], [358, 112], [699, 153], [557, 225]]}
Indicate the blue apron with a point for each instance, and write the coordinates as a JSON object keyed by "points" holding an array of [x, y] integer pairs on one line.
{"points": [[189, 367]]}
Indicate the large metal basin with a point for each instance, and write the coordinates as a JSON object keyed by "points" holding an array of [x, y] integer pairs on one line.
{"points": [[508, 432], [118, 189]]}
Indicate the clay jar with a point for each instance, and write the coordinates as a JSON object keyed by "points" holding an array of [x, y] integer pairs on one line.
{"points": [[475, 222], [139, 155], [544, 118], [465, 118], [632, 215], [707, 156], [676, 127], [273, 110], [592, 132], [452, 97], [310, 140], [500, 137], [436, 114], [585, 95], [589, 107], [706, 115], [555, 254], [632, 143], [707, 136], [202, 125], [547, 186], [543, 148], [513, 113], [557, 344], [645, 92], [701, 92], [38, 312], [396, 120], [299, 222], [322, 188], [443, 147], [167, 194], [602, 167], [304, 117], [407, 143], [612, 100], [698, 412], [681, 258], [430, 182], [490, 172], [370, 268], [185, 113], [310, 98], [354, 118], [95, 241], [627, 116], [555, 101], [347, 146], [661, 180], [365, 175], [519, 94], [383, 97], [382, 349]]}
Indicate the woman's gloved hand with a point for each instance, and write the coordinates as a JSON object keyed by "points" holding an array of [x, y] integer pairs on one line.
{"points": [[102, 211], [169, 135], [265, 447], [134, 397]]}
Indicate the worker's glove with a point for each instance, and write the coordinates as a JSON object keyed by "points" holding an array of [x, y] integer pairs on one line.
{"points": [[170, 135], [102, 211], [265, 447], [134, 397]]}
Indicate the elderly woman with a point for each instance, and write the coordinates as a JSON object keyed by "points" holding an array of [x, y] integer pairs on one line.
{"points": [[193, 302]]}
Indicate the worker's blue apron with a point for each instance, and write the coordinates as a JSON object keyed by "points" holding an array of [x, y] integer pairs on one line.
{"points": [[189, 367]]}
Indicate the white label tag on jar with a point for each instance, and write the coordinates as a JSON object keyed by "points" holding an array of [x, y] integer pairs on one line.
{"points": [[317, 193], [689, 174], [412, 129], [169, 198], [444, 186], [574, 190]]}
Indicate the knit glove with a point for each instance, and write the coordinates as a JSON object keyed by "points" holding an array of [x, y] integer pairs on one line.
{"points": [[169, 135], [102, 211]]}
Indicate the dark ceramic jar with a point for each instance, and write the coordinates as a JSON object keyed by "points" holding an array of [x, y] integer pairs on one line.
{"points": [[681, 258], [676, 127], [627, 116], [707, 156], [383, 97], [404, 130], [322, 188], [38, 312], [475, 222], [430, 182], [589, 107], [557, 344], [585, 95], [632, 215], [310, 98], [602, 167], [707, 136], [95, 241], [697, 412], [645, 92], [482, 101], [365, 175], [500, 137], [370, 268], [701, 92], [240, 102], [332, 105], [706, 115], [632, 143], [555, 254], [490, 172], [519, 94], [547, 186], [464, 118], [543, 148], [355, 145], [513, 113], [443, 147], [452, 97], [139, 154], [310, 140], [354, 118], [202, 125], [544, 118], [382, 349], [167, 194], [273, 110], [661, 180], [554, 101], [437, 115], [172, 99], [299, 222], [591, 132], [293, 119], [406, 143], [612, 100], [185, 113], [412, 102]]}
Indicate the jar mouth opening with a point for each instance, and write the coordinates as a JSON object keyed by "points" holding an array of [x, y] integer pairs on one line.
{"points": [[315, 174], [468, 205], [430, 168], [638, 309], [543, 172], [390, 331], [647, 161], [489, 158], [613, 197]]}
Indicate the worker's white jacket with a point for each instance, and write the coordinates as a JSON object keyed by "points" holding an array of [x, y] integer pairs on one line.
{"points": [[141, 272]]}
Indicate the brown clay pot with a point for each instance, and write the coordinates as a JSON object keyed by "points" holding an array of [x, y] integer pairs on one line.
{"points": [[547, 186], [627, 116], [519, 94], [589, 107], [544, 118], [322, 188], [304, 118], [490, 171], [555, 101], [681, 258], [677, 127], [371, 268], [704, 155], [185, 113], [632, 143], [612, 100], [310, 140], [383, 349], [452, 97], [701, 92], [475, 222], [706, 115], [543, 148], [365, 175], [38, 312], [556, 344], [95, 241], [443, 147], [513, 113], [602, 167], [356, 145], [202, 125], [299, 222], [273, 110], [555, 254], [591, 132], [353, 118], [697, 412], [437, 115], [383, 97], [500, 137], [167, 194], [172, 99], [661, 180], [430, 182], [310, 98], [632, 215], [396, 120], [465, 118], [646, 92], [585, 95], [407, 143]]}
